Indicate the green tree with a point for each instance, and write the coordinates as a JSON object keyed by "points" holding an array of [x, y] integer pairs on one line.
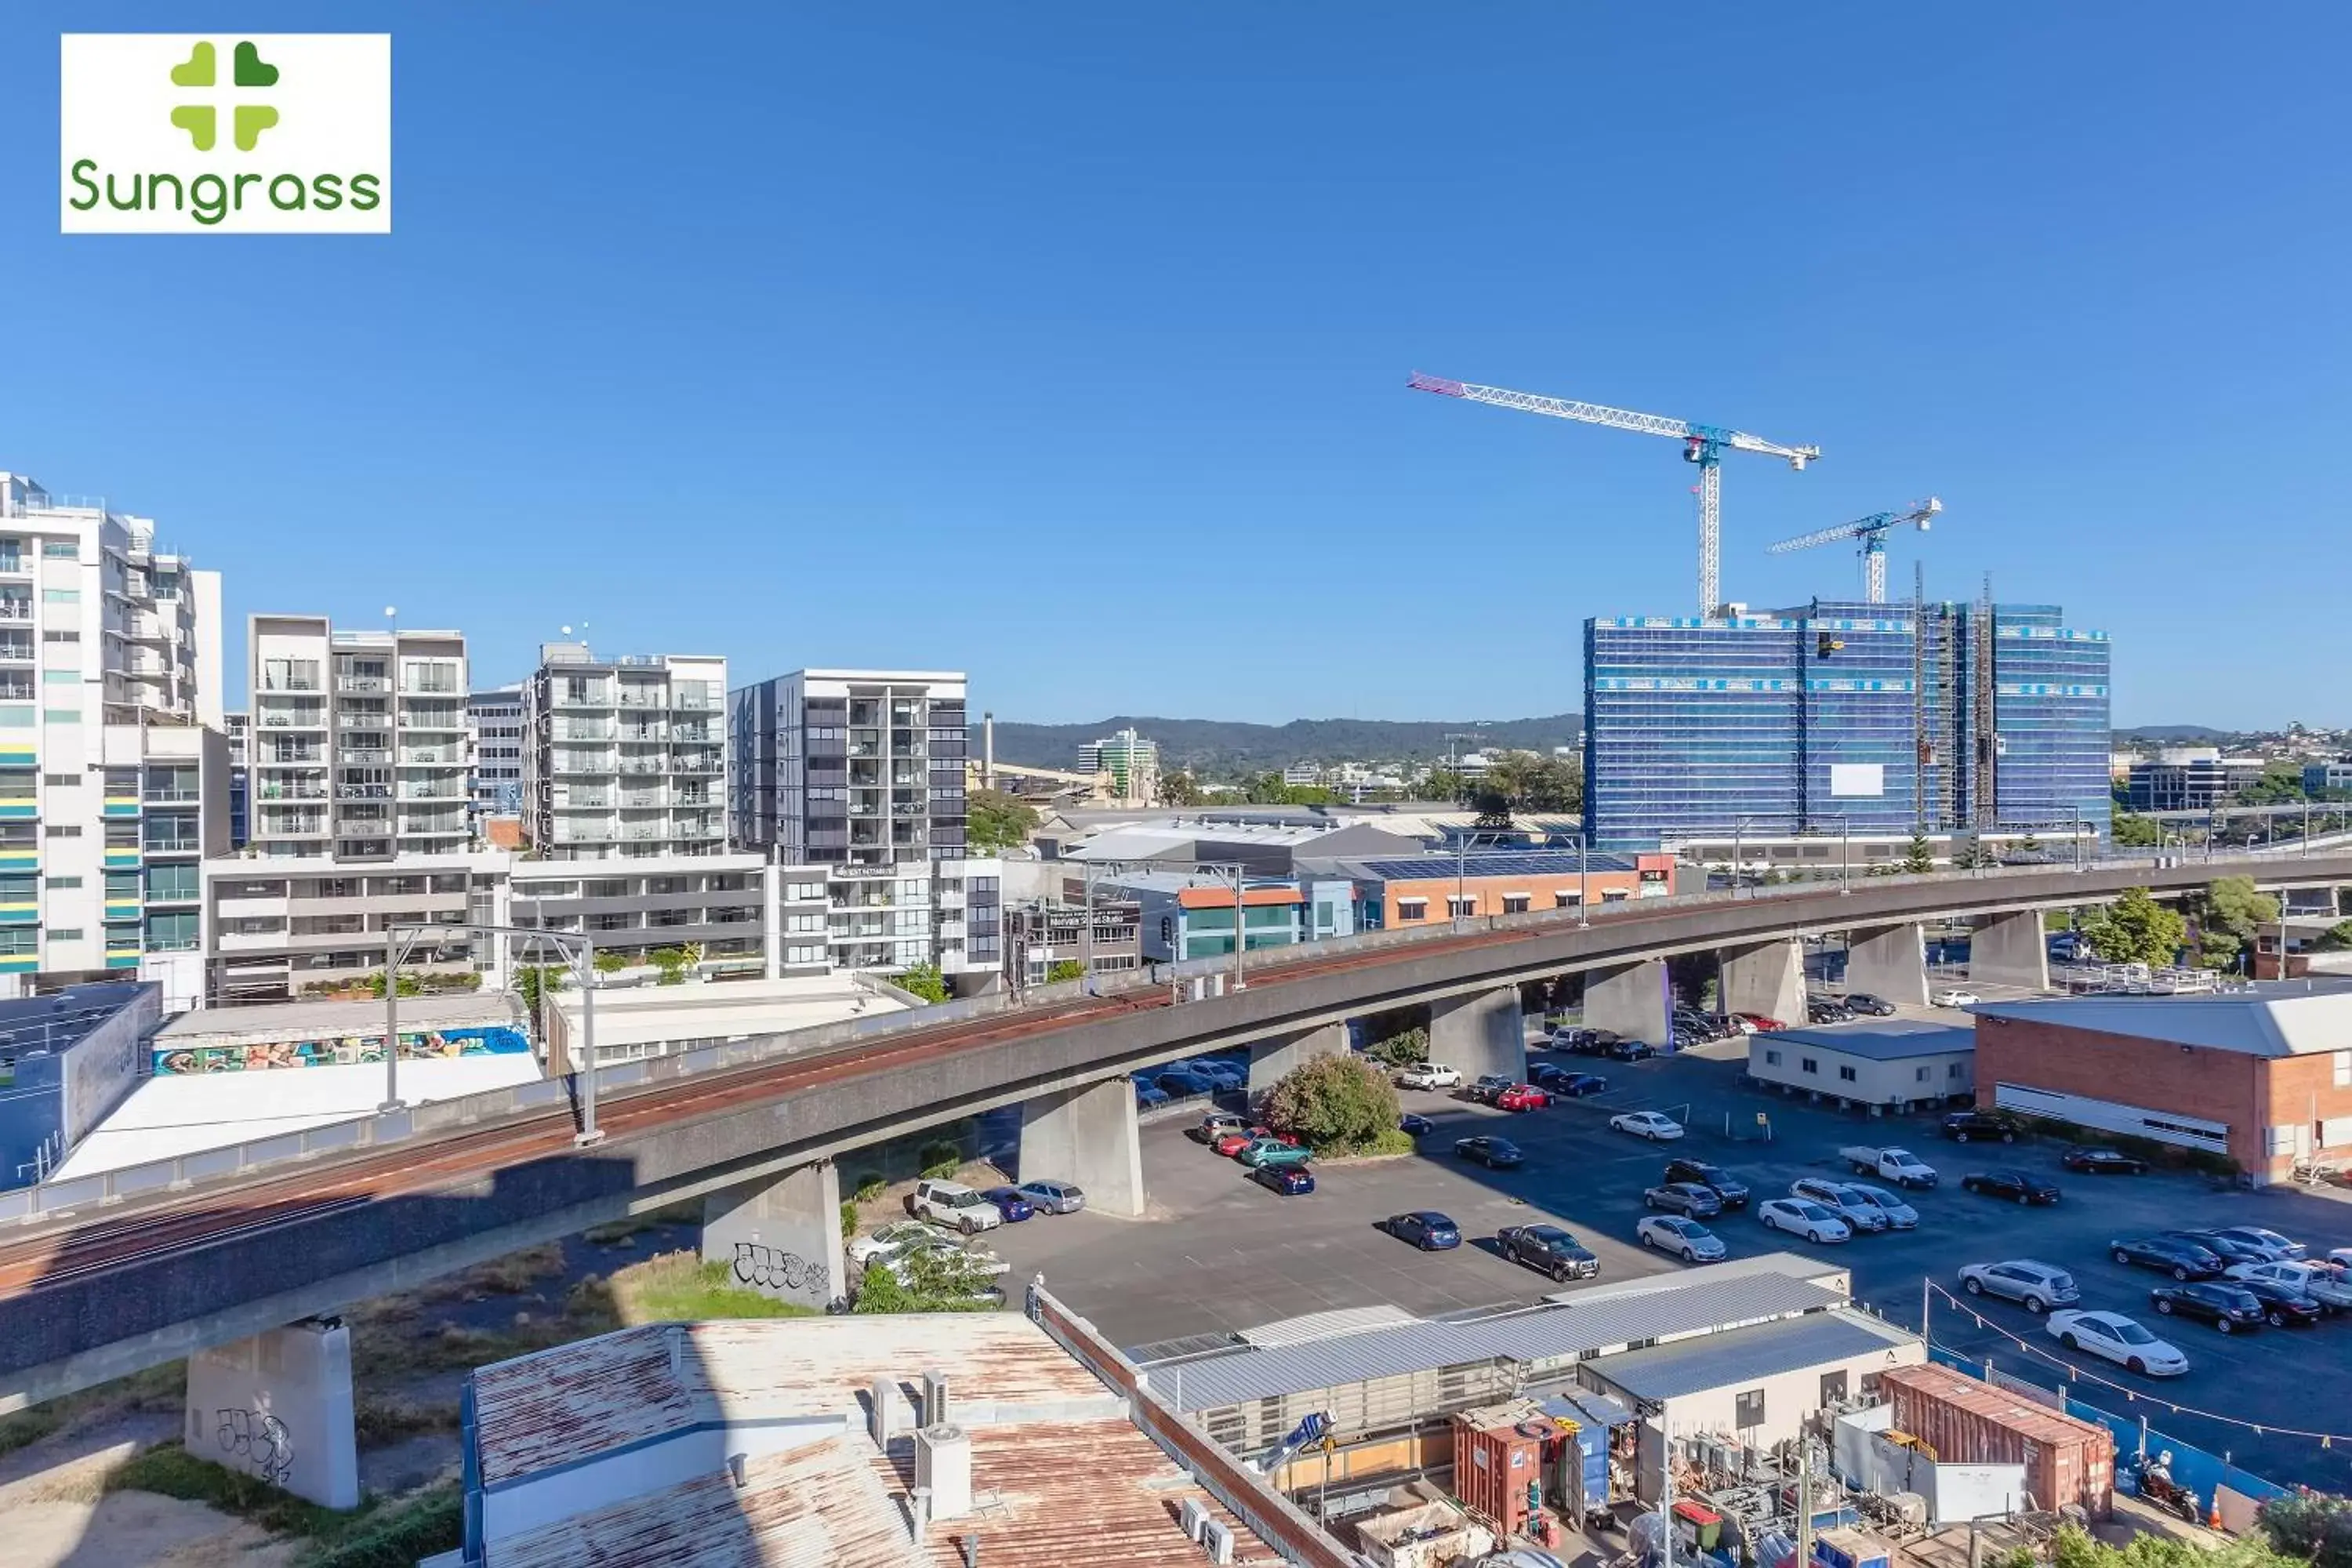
{"points": [[995, 821], [1335, 1104], [411, 985], [936, 1279], [1444, 783], [1919, 856], [924, 980], [1401, 1049], [610, 962], [533, 980], [2227, 915], [1178, 789], [1533, 782], [2316, 1525], [671, 962], [1063, 969], [2132, 831], [2075, 1549], [2281, 784], [2136, 929], [2335, 939]]}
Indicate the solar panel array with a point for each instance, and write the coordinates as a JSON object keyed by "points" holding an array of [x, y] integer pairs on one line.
{"points": [[1496, 863]]}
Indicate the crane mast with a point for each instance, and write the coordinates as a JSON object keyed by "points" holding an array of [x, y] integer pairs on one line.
{"points": [[1702, 444]]}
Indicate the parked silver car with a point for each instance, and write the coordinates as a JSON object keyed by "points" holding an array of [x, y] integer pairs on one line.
{"points": [[2040, 1285], [1053, 1197], [1844, 1201], [1900, 1216]]}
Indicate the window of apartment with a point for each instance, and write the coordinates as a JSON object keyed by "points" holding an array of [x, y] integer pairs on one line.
{"points": [[1808, 1064], [1771, 1059], [607, 887], [61, 637], [65, 934], [63, 830], [1515, 903], [18, 889], [174, 932], [1461, 908], [438, 675], [290, 675], [802, 924], [1614, 896], [59, 883], [1412, 909], [175, 882], [1846, 1075], [61, 780], [60, 550], [19, 941], [795, 953], [1954, 1069], [61, 596], [804, 891], [1749, 1408], [2343, 1064]]}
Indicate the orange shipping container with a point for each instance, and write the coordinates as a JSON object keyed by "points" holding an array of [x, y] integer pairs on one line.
{"points": [[1493, 1464], [1967, 1422]]}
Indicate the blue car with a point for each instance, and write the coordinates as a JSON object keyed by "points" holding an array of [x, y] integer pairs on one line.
{"points": [[1425, 1228], [1290, 1181], [1183, 1081], [1148, 1095], [1230, 1074], [1011, 1201], [1413, 1124]]}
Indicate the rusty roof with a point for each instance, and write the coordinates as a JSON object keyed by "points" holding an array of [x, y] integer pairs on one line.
{"points": [[1061, 1477]]}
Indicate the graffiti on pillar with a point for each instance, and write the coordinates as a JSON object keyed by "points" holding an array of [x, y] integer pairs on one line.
{"points": [[260, 1440], [772, 1269]]}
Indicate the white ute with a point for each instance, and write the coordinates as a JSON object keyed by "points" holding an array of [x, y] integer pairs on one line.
{"points": [[1900, 1166]]}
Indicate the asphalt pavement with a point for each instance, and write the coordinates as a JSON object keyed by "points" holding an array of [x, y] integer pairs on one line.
{"points": [[1218, 1254]]}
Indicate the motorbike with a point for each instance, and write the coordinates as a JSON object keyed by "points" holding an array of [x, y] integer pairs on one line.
{"points": [[2157, 1485]]}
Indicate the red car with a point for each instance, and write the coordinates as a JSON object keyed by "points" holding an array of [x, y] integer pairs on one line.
{"points": [[1522, 1096], [1763, 1025], [1232, 1143]]}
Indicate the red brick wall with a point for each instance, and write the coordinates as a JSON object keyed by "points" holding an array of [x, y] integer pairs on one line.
{"points": [[2219, 1086]]}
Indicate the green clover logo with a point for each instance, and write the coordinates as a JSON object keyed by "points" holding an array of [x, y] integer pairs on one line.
{"points": [[202, 120]]}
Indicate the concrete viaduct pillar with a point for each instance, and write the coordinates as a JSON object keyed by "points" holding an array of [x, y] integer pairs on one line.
{"points": [[1767, 978], [1889, 963], [1480, 1034], [279, 1406], [2010, 949], [1088, 1136], [780, 1236], [1272, 1057], [1630, 998]]}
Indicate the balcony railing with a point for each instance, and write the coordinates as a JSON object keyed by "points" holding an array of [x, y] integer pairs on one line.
{"points": [[585, 803], [697, 765], [362, 755], [15, 610], [171, 796], [363, 721], [361, 683], [288, 792]]}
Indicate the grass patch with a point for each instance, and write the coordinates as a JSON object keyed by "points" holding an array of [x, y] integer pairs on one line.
{"points": [[379, 1531], [158, 1388], [388, 1420], [400, 1534], [679, 1286], [1387, 1140]]}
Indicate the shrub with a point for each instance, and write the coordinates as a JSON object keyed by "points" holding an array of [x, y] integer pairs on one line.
{"points": [[924, 980], [939, 1162], [1338, 1105], [2310, 1525], [1063, 969], [1401, 1049], [870, 1185], [848, 1219]]}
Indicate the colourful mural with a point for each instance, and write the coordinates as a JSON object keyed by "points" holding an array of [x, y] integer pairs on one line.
{"points": [[343, 1050]]}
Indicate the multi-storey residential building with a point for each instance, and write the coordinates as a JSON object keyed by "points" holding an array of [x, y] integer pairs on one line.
{"points": [[734, 913], [626, 757], [237, 726], [113, 776], [1843, 718], [862, 772], [359, 809], [1132, 763], [494, 745]]}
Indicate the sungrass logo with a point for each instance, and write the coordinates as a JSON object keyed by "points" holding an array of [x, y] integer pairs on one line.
{"points": [[235, 133]]}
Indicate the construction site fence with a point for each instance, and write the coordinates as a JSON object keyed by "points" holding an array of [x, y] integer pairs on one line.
{"points": [[2199, 1470]]}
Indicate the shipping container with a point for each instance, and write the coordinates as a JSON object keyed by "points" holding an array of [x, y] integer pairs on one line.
{"points": [[1496, 1465], [1850, 1549], [1965, 1422]]}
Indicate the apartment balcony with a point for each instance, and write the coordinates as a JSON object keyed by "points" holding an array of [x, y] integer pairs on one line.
{"points": [[363, 683], [865, 803], [645, 800], [644, 832], [583, 833], [593, 697], [362, 721], [579, 729], [693, 735], [430, 756], [690, 703], [441, 724], [271, 790], [595, 800], [16, 652], [654, 734], [436, 828], [700, 766], [140, 626], [642, 767], [155, 796], [15, 610], [452, 792], [905, 809], [363, 756], [296, 719]]}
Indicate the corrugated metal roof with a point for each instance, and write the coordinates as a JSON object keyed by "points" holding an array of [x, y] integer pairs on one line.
{"points": [[1888, 1040], [1743, 1355], [2279, 1019], [1585, 1323], [1324, 1325]]}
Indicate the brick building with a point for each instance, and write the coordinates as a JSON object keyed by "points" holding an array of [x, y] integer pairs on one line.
{"points": [[2263, 1076], [1433, 889]]}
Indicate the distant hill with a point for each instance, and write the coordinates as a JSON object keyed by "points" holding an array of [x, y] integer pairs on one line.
{"points": [[2173, 733], [1217, 746]]}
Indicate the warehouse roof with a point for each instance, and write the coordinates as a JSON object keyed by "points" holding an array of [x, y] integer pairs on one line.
{"points": [[1744, 1355], [2281, 1018], [266, 1023], [1490, 863], [1887, 1040], [1579, 1324]]}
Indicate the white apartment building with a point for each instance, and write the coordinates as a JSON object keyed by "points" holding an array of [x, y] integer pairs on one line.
{"points": [[358, 803], [113, 776], [494, 746], [624, 758]]}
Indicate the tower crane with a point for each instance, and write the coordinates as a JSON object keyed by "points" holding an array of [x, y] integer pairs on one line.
{"points": [[1872, 532], [1702, 444]]}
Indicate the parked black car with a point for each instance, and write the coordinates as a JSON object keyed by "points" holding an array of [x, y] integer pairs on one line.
{"points": [[2222, 1304], [1728, 1190], [1875, 1006], [1494, 1154], [2184, 1260], [2017, 1186], [2102, 1163], [1548, 1249], [1632, 1050], [2227, 1248], [2284, 1306], [1961, 1126], [1487, 1087], [1416, 1124]]}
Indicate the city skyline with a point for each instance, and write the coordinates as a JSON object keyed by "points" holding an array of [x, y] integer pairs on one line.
{"points": [[934, 340]]}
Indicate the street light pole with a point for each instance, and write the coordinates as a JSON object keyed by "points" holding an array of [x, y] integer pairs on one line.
{"points": [[1240, 929], [586, 960]]}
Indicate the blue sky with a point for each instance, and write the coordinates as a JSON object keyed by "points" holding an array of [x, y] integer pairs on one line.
{"points": [[1067, 342]]}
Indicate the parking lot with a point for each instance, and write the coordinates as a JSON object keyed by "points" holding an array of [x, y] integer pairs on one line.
{"points": [[1218, 1253]]}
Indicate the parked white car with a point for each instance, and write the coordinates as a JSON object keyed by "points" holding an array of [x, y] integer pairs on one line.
{"points": [[1428, 1075], [1954, 999], [2040, 1285], [1847, 1202], [1654, 1125], [2120, 1340], [1803, 1217], [1686, 1238], [895, 1240], [2317, 1280], [953, 1203]]}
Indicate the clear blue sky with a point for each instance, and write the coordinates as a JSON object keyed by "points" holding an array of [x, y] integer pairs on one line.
{"points": [[1067, 342]]}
